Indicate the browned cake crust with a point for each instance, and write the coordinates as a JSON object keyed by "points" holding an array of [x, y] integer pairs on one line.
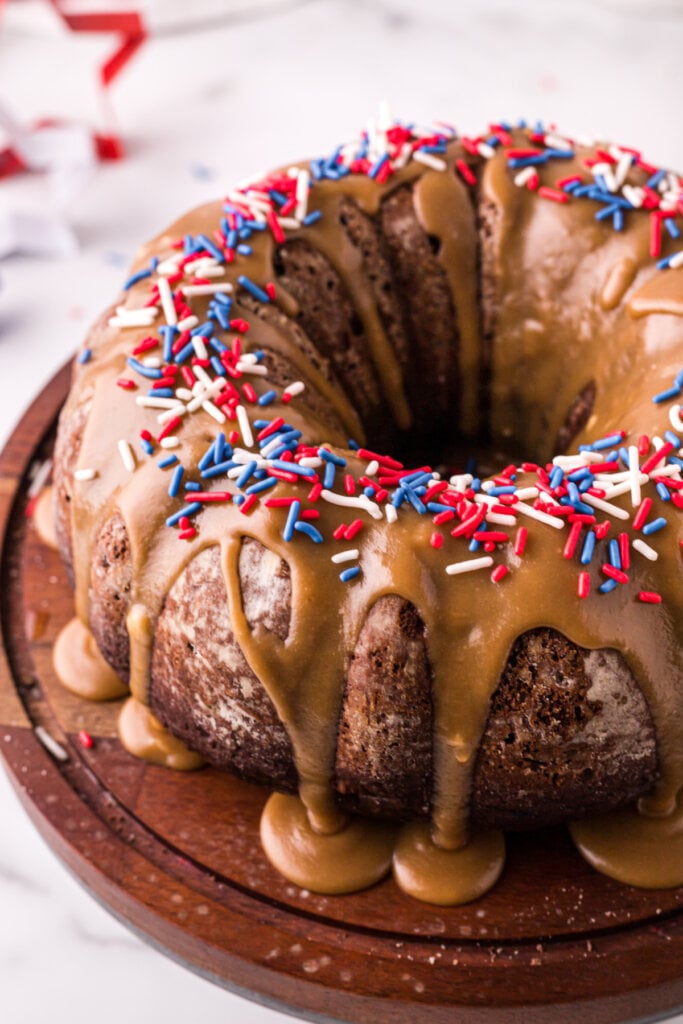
{"points": [[568, 730]]}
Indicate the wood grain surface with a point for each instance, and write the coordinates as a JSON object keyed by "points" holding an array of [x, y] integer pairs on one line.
{"points": [[177, 857]]}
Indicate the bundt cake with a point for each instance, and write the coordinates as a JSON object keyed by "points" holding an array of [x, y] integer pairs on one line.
{"points": [[478, 631]]}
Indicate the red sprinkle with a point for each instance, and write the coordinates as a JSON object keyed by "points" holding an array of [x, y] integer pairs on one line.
{"points": [[602, 529], [642, 513], [85, 739], [584, 584], [624, 550], [657, 457], [649, 597], [353, 528], [499, 573], [248, 504], [614, 573], [436, 540], [465, 172], [127, 385], [520, 540], [553, 193], [572, 540]]}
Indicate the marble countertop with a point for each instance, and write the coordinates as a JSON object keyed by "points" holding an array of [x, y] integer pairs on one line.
{"points": [[201, 108]]}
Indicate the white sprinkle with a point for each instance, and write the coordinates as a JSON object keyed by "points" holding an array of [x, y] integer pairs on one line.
{"points": [[521, 178], [127, 457], [289, 222], [429, 160], [166, 296], [527, 493], [170, 442], [669, 470], [346, 556], [204, 393], [483, 149], [455, 568], [184, 394], [212, 272], [676, 260], [634, 194], [199, 346], [201, 263], [201, 374], [295, 388], [624, 161], [311, 461], [151, 402], [169, 414], [558, 142], [634, 475], [391, 513], [187, 323], [153, 362], [137, 318], [214, 411], [645, 549], [461, 481], [362, 501], [626, 487], [85, 474], [51, 744], [169, 266], [536, 513], [245, 426], [207, 289], [372, 468], [41, 473], [302, 186], [255, 369], [605, 506], [500, 519]]}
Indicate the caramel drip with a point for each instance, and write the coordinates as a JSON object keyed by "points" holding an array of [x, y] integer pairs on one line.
{"points": [[447, 877], [81, 668], [44, 517], [556, 328], [143, 735]]}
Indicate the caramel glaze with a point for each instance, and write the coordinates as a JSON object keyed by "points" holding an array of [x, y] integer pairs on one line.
{"points": [[575, 301], [81, 668]]}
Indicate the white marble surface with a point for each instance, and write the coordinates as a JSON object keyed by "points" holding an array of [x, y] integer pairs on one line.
{"points": [[199, 111]]}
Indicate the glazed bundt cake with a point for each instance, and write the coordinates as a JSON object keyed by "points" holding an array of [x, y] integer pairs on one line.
{"points": [[365, 494]]}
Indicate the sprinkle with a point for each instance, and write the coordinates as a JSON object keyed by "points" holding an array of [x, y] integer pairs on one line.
{"points": [[584, 584], [187, 511], [349, 555], [85, 739], [470, 565], [167, 304], [499, 573], [654, 526], [520, 541], [614, 573], [51, 744], [244, 425], [645, 549], [176, 480], [253, 289], [127, 457], [553, 193], [85, 474], [605, 506], [542, 517], [649, 597], [349, 574], [292, 518], [310, 531]]}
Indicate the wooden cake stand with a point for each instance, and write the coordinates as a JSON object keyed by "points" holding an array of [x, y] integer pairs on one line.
{"points": [[177, 858]]}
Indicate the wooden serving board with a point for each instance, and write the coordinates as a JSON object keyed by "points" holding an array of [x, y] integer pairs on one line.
{"points": [[177, 857]]}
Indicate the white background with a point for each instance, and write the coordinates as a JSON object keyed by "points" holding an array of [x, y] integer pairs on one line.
{"points": [[200, 108]]}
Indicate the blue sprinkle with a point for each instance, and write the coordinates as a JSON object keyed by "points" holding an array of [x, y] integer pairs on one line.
{"points": [[85, 355], [671, 227], [398, 497], [436, 507], [678, 381], [354, 446], [168, 332], [655, 179], [673, 438], [218, 470], [412, 497], [192, 485], [293, 467], [211, 247], [303, 527], [474, 545], [218, 448], [161, 392], [573, 492], [312, 217], [246, 474], [349, 574], [145, 371], [292, 518], [170, 460], [217, 366], [244, 250], [267, 398], [330, 474], [176, 480], [618, 220], [585, 484], [606, 442], [556, 477], [378, 165], [147, 446], [185, 353], [663, 263], [238, 499], [663, 491], [578, 506], [666, 396], [217, 345], [188, 510], [262, 485], [253, 289], [206, 330], [654, 526], [134, 278], [588, 548], [208, 457], [608, 586], [614, 553], [369, 492], [329, 456]]}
